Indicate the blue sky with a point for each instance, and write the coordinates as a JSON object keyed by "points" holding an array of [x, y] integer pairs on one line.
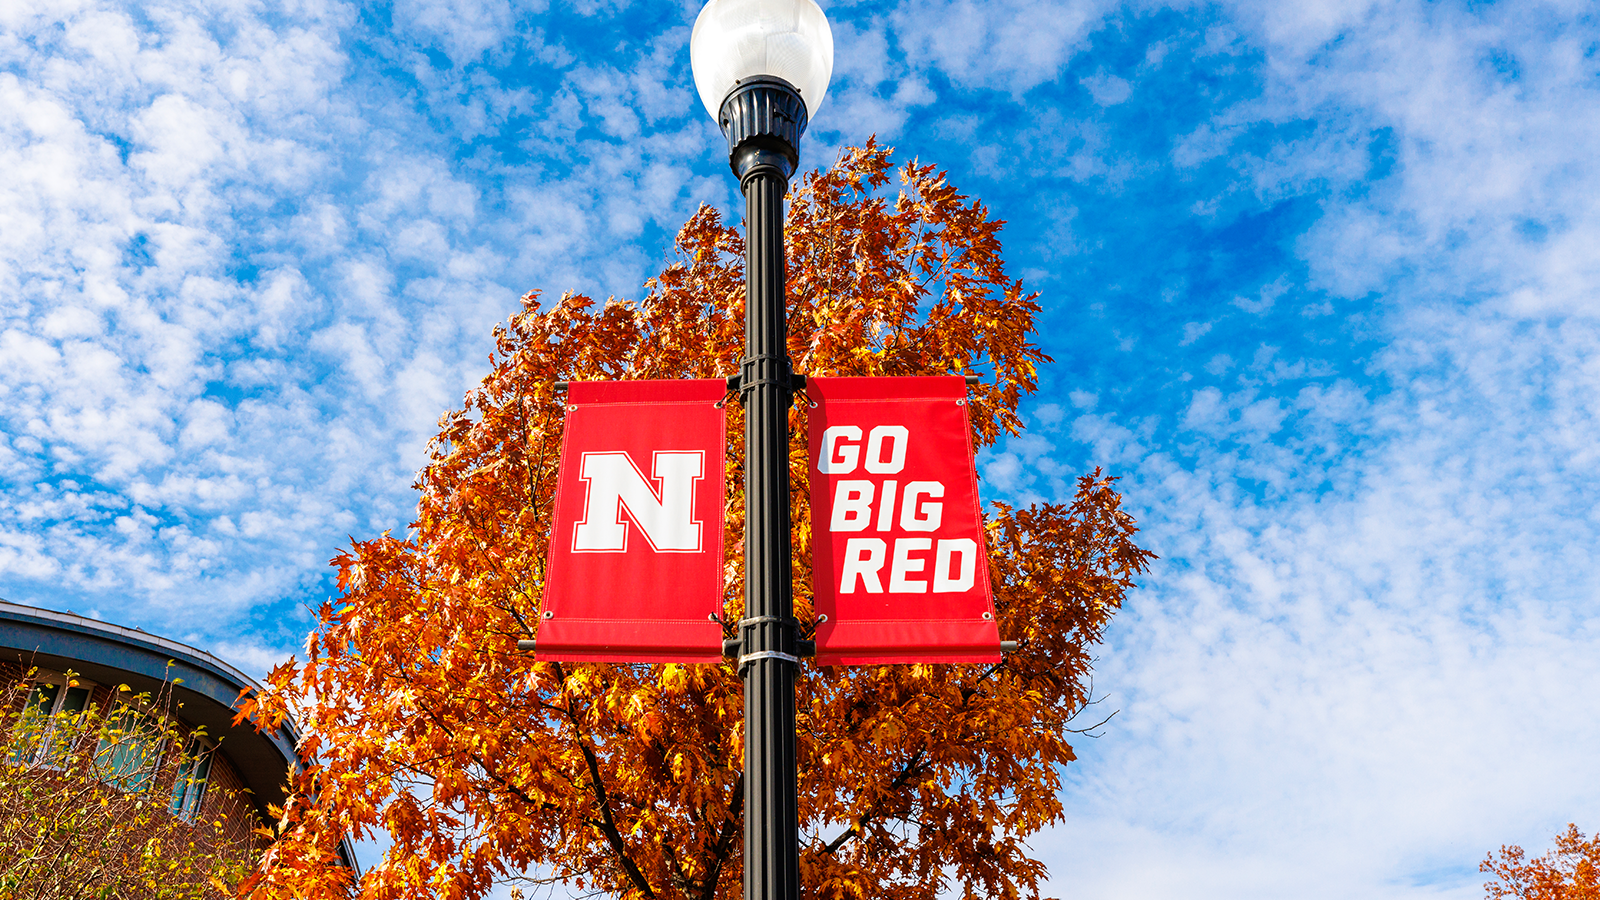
{"points": [[1322, 283]]}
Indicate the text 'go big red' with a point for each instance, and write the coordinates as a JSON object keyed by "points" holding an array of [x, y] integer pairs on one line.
{"points": [[861, 504]]}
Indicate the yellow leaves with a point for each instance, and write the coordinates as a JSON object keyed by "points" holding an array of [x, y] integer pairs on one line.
{"points": [[682, 767], [581, 679], [674, 678], [79, 807]]}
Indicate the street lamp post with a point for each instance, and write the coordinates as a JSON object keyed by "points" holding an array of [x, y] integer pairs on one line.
{"points": [[762, 68]]}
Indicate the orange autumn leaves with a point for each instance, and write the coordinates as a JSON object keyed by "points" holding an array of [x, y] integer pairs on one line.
{"points": [[1569, 872], [477, 762]]}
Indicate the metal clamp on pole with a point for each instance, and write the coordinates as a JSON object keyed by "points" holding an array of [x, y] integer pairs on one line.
{"points": [[749, 378], [752, 621], [767, 654], [731, 646], [737, 383]]}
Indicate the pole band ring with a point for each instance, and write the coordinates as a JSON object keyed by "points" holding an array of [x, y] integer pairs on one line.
{"points": [[767, 654]]}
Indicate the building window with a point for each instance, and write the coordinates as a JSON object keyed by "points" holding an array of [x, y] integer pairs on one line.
{"points": [[54, 701], [130, 749], [189, 787]]}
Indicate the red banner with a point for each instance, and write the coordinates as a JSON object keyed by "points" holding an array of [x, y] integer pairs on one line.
{"points": [[900, 568], [635, 571]]}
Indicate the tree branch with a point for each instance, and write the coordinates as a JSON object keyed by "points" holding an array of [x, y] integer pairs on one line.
{"points": [[724, 844], [607, 825], [912, 768]]}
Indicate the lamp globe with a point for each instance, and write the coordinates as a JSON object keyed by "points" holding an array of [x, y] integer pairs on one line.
{"points": [[734, 40]]}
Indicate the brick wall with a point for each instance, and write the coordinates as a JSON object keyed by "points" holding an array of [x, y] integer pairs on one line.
{"points": [[227, 800]]}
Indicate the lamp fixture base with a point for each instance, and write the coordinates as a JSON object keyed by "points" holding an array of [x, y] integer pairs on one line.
{"points": [[763, 118]]}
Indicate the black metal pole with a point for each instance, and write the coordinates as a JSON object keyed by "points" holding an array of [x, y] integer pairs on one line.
{"points": [[763, 119]]}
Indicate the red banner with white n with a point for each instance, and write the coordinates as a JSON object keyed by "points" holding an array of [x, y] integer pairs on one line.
{"points": [[900, 570], [635, 568]]}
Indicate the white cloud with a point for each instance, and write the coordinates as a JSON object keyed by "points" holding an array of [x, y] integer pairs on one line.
{"points": [[249, 274], [1107, 90], [1482, 153], [465, 28], [1009, 45], [1366, 658]]}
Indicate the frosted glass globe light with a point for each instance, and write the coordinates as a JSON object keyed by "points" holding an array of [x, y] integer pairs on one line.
{"points": [[736, 39]]}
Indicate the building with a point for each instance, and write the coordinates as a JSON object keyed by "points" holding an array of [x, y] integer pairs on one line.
{"points": [[244, 770]]}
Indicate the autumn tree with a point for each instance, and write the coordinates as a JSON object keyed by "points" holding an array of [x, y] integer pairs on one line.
{"points": [[914, 780], [1569, 872], [86, 804]]}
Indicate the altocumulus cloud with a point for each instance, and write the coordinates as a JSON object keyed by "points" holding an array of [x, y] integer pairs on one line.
{"points": [[1320, 280], [1369, 655], [247, 267]]}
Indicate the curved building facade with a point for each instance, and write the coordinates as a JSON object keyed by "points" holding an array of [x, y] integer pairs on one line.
{"points": [[243, 771]]}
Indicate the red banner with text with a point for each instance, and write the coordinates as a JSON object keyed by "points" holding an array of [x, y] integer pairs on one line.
{"points": [[900, 569], [635, 569]]}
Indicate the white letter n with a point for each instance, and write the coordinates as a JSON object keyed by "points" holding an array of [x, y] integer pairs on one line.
{"points": [[667, 519]]}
